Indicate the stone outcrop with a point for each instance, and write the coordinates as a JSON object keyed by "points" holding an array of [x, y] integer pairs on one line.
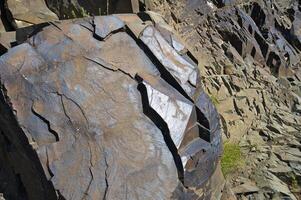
{"points": [[107, 107]]}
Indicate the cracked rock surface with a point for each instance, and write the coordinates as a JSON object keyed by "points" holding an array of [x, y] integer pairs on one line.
{"points": [[107, 107]]}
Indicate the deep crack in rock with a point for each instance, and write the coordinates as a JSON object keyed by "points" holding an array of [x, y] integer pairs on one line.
{"points": [[161, 124]]}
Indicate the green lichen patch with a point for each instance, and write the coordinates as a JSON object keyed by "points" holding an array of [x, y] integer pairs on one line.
{"points": [[232, 158]]}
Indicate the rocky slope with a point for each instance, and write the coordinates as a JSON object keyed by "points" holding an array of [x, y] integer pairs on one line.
{"points": [[249, 53], [249, 57]]}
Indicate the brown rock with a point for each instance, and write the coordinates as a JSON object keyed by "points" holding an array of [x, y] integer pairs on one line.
{"points": [[245, 188], [228, 194], [26, 13], [90, 111]]}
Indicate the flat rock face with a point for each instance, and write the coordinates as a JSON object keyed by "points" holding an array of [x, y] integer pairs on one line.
{"points": [[105, 107], [21, 13]]}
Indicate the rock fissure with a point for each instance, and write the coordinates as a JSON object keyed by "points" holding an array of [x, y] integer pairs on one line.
{"points": [[76, 104], [161, 124], [105, 65], [165, 74], [43, 119], [86, 193], [106, 176]]}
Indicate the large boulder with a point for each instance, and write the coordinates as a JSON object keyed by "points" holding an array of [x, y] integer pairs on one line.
{"points": [[105, 107]]}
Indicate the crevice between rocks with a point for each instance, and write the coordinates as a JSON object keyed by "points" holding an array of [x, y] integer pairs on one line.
{"points": [[6, 16], [165, 74], [162, 125], [204, 126], [23, 159]]}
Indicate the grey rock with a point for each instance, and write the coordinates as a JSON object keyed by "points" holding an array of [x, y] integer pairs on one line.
{"points": [[247, 187], [228, 194], [268, 180], [106, 25], [87, 113], [25, 13]]}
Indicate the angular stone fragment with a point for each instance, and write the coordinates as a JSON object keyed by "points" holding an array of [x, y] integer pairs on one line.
{"points": [[268, 180], [103, 26], [245, 188], [184, 72], [31, 12], [174, 112]]}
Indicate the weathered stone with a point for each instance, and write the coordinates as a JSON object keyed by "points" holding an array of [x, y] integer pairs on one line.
{"points": [[90, 114], [106, 25], [247, 187], [289, 154], [26, 13], [249, 56], [228, 194], [269, 180]]}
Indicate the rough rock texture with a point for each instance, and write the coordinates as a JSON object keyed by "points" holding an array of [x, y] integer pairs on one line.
{"points": [[105, 108], [21, 13], [249, 56], [67, 9]]}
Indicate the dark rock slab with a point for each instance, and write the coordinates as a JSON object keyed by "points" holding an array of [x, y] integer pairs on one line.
{"points": [[26, 13], [88, 113], [103, 26]]}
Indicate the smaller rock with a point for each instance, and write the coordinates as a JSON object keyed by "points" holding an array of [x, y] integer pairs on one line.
{"points": [[272, 182], [289, 154], [280, 169], [296, 167], [103, 26], [26, 13], [253, 149], [243, 197], [228, 194], [255, 139], [274, 128], [297, 108], [245, 188], [284, 82], [262, 156]]}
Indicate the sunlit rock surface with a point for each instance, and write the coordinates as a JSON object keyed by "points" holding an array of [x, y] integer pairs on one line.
{"points": [[105, 108]]}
